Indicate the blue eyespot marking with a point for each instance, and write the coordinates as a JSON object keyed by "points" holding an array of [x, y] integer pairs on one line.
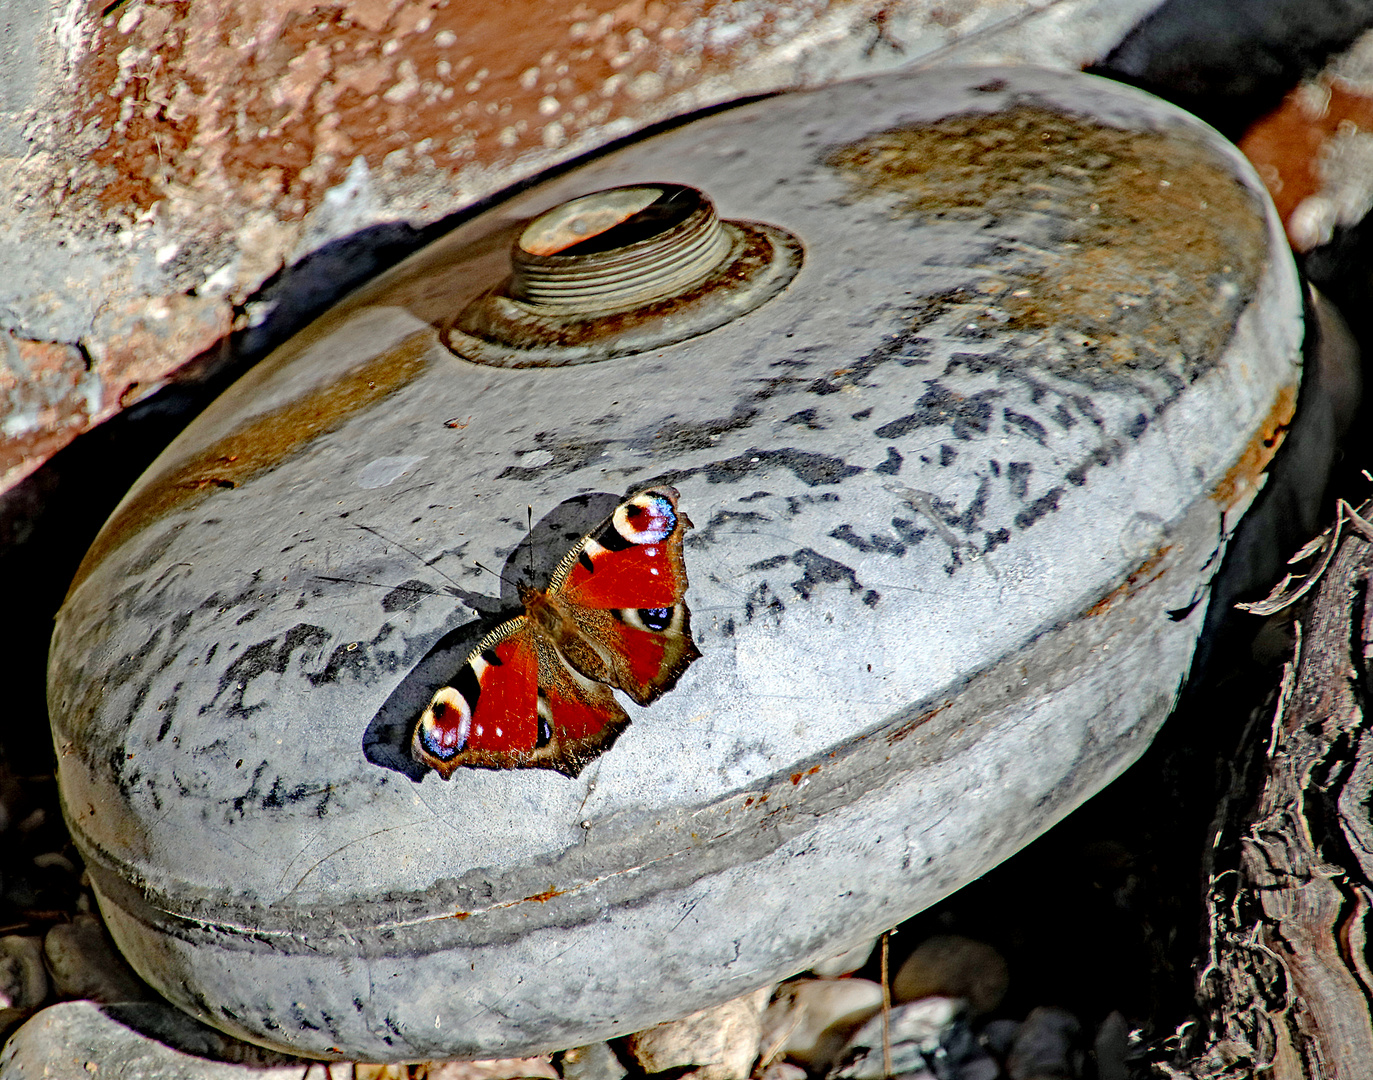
{"points": [[655, 618]]}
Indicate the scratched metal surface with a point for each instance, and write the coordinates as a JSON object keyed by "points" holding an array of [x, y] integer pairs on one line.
{"points": [[958, 493]]}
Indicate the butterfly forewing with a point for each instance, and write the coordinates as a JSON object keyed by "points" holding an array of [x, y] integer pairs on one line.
{"points": [[629, 560]]}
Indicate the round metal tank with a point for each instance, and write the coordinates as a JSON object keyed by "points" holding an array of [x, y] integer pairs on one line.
{"points": [[958, 486]]}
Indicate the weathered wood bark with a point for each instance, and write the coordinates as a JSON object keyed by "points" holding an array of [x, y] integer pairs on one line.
{"points": [[1286, 983]]}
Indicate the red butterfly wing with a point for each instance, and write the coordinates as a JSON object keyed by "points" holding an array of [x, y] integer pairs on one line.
{"points": [[584, 716], [515, 703], [633, 559], [488, 715], [624, 587], [644, 650]]}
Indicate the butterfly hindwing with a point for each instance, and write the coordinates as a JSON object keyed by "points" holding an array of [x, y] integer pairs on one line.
{"points": [[583, 716], [645, 649], [624, 586], [536, 692]]}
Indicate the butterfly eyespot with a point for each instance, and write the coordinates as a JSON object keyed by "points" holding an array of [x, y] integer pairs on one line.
{"points": [[443, 729], [645, 519], [655, 618]]}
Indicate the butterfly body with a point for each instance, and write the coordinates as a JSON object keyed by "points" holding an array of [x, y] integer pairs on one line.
{"points": [[536, 692]]}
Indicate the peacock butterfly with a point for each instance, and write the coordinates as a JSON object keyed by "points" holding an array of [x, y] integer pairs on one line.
{"points": [[536, 691]]}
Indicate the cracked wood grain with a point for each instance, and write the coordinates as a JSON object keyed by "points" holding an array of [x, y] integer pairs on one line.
{"points": [[1286, 983]]}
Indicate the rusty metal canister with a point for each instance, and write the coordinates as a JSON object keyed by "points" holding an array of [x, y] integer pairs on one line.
{"points": [[963, 377]]}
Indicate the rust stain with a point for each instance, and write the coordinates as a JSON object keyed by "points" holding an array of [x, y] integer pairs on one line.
{"points": [[1243, 476], [895, 736], [1161, 246], [797, 777], [1144, 574], [260, 444], [46, 388], [547, 894], [271, 100]]}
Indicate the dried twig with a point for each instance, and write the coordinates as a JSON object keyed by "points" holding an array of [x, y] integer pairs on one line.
{"points": [[886, 1010], [1283, 595]]}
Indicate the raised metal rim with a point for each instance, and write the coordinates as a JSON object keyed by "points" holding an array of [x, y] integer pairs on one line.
{"points": [[499, 330]]}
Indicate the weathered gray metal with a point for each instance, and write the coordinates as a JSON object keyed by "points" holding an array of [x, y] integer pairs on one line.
{"points": [[958, 493]]}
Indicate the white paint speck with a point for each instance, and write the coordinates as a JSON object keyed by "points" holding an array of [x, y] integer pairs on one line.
{"points": [[645, 86], [387, 470]]}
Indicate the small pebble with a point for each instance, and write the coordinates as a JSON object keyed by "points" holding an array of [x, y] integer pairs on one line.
{"points": [[50, 859], [145, 1040], [1110, 1046], [535, 1068], [811, 1020], [998, 1036], [23, 979], [85, 964], [34, 821], [952, 966], [915, 1031], [11, 794], [846, 962], [961, 1056], [783, 1070], [714, 1044], [594, 1062], [1047, 1047]]}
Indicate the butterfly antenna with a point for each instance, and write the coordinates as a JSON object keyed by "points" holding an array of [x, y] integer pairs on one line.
{"points": [[529, 514], [413, 554], [496, 573]]}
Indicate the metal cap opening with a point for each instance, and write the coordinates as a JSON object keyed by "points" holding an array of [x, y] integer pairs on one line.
{"points": [[617, 248], [620, 271]]}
